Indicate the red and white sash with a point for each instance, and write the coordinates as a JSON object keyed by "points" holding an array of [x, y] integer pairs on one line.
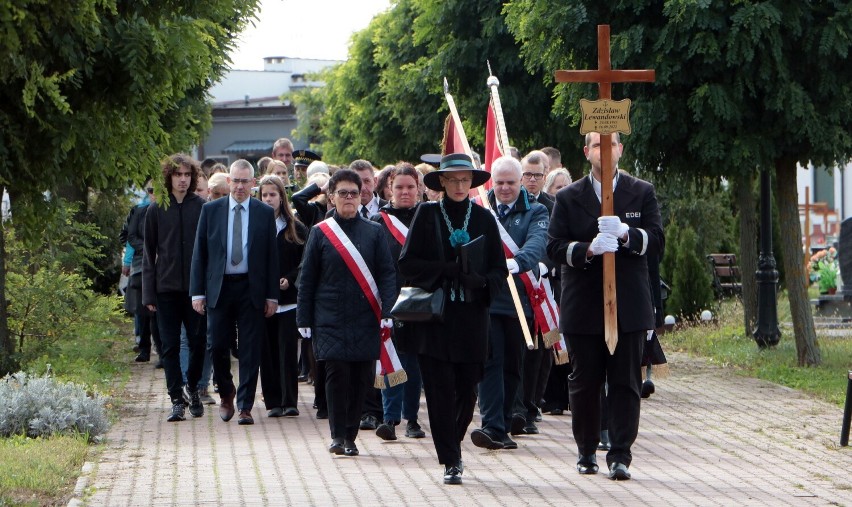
{"points": [[388, 362], [545, 309], [397, 229], [560, 351]]}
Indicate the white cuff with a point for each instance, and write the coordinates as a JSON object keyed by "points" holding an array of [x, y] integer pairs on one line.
{"points": [[569, 252]]}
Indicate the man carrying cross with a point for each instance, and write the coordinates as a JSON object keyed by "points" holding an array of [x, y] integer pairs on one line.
{"points": [[578, 237]]}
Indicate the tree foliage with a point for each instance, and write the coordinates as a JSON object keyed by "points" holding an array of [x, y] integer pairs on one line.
{"points": [[94, 93], [386, 101]]}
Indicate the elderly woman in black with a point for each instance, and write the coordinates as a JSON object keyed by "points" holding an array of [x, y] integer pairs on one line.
{"points": [[347, 288], [452, 353], [279, 364]]}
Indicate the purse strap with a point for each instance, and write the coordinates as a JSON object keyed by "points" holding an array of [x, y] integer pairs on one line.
{"points": [[439, 242]]}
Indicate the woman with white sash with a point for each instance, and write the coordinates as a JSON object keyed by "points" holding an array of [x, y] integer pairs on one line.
{"points": [[402, 400]]}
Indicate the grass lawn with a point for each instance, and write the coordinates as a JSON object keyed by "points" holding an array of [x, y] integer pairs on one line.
{"points": [[724, 342], [43, 471], [40, 471]]}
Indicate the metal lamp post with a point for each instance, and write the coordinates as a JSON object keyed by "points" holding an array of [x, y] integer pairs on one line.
{"points": [[767, 333]]}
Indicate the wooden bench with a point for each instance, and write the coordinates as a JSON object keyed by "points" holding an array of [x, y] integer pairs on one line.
{"points": [[847, 413], [726, 274]]}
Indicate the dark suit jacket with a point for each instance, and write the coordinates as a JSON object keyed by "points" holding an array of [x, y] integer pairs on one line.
{"points": [[574, 224], [211, 251]]}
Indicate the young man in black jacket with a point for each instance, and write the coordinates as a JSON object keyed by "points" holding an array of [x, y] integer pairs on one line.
{"points": [[167, 257]]}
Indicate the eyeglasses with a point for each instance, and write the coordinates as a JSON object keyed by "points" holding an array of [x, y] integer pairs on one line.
{"points": [[241, 181], [458, 181], [150, 190], [533, 176], [348, 194]]}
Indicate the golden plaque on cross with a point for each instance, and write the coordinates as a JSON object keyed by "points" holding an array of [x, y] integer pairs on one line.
{"points": [[605, 116]]}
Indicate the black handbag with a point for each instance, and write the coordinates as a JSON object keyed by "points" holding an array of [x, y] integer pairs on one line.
{"points": [[418, 305]]}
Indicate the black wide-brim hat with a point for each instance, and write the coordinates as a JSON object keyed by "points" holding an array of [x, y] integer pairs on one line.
{"points": [[455, 162]]}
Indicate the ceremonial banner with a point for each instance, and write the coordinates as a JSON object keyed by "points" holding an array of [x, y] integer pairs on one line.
{"points": [[493, 145], [453, 141]]}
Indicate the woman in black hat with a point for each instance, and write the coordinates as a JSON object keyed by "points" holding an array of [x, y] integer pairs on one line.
{"points": [[452, 353]]}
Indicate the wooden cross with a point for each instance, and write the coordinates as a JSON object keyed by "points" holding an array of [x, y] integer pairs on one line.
{"points": [[604, 76]]}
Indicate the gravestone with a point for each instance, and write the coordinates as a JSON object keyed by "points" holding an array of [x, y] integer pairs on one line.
{"points": [[844, 255]]}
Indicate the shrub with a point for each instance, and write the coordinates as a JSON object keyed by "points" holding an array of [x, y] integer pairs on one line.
{"points": [[691, 285], [41, 406]]}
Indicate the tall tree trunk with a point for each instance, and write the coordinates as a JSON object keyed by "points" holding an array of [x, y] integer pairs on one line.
{"points": [[8, 361], [807, 348], [748, 249]]}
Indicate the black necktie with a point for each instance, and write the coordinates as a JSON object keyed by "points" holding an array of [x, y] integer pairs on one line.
{"points": [[502, 210], [364, 212], [533, 199]]}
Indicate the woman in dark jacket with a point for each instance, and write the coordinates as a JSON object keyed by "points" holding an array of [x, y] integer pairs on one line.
{"points": [[279, 368], [402, 400], [342, 318], [452, 353]]}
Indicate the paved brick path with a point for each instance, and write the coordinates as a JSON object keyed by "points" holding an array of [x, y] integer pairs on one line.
{"points": [[707, 437]]}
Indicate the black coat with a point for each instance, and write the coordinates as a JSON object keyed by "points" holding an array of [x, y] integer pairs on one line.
{"points": [[343, 325], [289, 261], [401, 333], [169, 240], [463, 335], [310, 212], [574, 224]]}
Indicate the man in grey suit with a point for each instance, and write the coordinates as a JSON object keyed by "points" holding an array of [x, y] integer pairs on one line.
{"points": [[232, 281]]}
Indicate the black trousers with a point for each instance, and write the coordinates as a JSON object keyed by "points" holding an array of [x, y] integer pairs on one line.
{"points": [[450, 399], [537, 364], [234, 308], [556, 393], [279, 364], [593, 365], [346, 383], [174, 309]]}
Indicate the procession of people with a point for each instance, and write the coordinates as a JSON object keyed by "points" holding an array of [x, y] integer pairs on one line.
{"points": [[297, 275]]}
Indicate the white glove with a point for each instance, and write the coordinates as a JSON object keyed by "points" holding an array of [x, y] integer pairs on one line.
{"points": [[543, 272], [386, 323], [603, 243], [305, 332], [612, 225], [512, 264]]}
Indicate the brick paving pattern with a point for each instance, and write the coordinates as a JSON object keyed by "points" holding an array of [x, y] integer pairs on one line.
{"points": [[707, 437]]}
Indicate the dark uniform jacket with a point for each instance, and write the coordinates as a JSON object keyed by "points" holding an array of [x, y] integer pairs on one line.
{"points": [[310, 212], [169, 240], [343, 325], [574, 225], [527, 224], [463, 335]]}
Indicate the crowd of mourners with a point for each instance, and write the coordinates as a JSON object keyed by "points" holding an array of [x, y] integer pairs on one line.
{"points": [[292, 267]]}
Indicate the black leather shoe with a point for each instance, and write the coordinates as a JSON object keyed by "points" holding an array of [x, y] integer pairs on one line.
{"points": [[143, 357], [486, 439], [519, 422], [452, 475], [508, 443], [648, 389], [322, 414], [618, 471], [336, 447], [531, 429], [413, 430], [557, 411], [386, 431], [275, 412], [587, 465], [350, 449], [369, 422], [604, 444], [291, 412]]}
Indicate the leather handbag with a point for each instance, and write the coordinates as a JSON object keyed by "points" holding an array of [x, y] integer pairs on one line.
{"points": [[418, 305]]}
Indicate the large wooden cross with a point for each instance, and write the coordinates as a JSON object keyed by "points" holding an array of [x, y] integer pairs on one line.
{"points": [[604, 76]]}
